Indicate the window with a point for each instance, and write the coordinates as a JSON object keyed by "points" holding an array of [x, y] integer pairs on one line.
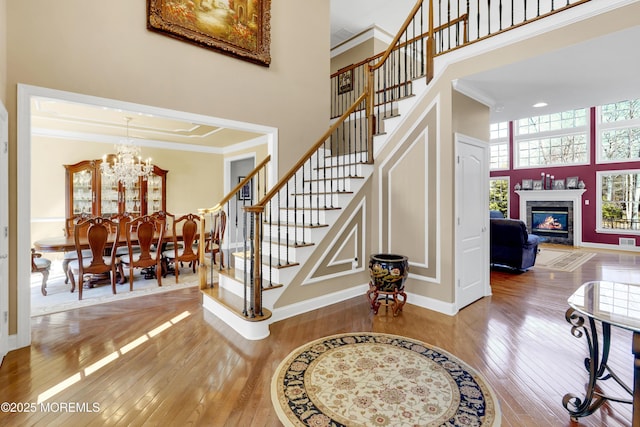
{"points": [[552, 139], [499, 149], [619, 132], [619, 201], [499, 195]]}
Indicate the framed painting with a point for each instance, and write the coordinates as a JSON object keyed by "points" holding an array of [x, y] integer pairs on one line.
{"points": [[345, 82], [245, 191], [240, 28]]}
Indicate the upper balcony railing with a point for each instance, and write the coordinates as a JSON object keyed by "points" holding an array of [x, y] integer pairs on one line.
{"points": [[456, 23]]}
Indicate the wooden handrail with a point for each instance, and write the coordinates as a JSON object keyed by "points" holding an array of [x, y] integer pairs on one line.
{"points": [[237, 188], [398, 35], [462, 18], [285, 178]]}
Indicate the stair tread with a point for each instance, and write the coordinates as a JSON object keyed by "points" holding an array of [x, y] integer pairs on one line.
{"points": [[323, 193], [231, 274], [341, 165], [335, 178], [290, 243], [284, 224], [322, 208], [275, 263]]}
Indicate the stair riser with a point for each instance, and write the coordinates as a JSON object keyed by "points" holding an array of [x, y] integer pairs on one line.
{"points": [[236, 287], [298, 234], [329, 185], [299, 254], [356, 158], [338, 171], [273, 274], [304, 201], [309, 216]]}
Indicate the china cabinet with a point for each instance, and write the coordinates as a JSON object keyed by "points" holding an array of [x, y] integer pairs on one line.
{"points": [[89, 190]]}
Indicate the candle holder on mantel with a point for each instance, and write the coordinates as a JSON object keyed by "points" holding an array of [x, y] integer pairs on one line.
{"points": [[547, 181]]}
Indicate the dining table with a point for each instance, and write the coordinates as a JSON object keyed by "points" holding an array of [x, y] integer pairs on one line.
{"points": [[68, 244]]}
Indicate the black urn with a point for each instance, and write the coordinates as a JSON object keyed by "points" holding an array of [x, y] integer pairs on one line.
{"points": [[388, 271]]}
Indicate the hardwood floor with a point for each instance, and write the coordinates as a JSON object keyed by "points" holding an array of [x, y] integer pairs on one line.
{"points": [[164, 361]]}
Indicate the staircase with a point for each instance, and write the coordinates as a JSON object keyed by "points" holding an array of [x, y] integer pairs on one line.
{"points": [[285, 224], [291, 237]]}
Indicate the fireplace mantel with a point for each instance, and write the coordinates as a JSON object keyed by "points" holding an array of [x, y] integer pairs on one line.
{"points": [[574, 196]]}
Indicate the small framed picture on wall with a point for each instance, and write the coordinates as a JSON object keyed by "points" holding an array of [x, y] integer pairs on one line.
{"points": [[527, 184], [572, 182], [245, 191]]}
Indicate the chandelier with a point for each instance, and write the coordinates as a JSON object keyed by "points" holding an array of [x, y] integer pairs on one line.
{"points": [[127, 166]]}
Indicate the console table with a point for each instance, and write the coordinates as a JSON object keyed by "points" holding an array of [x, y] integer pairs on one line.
{"points": [[610, 304]]}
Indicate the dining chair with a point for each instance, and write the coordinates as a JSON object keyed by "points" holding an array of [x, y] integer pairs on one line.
{"points": [[123, 220], [69, 226], [148, 231], [169, 219], [185, 226], [101, 234], [214, 243], [40, 265]]}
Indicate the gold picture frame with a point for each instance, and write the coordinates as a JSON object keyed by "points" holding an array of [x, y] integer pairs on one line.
{"points": [[239, 28]]}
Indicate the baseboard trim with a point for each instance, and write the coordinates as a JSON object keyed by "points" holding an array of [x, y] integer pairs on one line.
{"points": [[609, 247], [318, 302], [447, 308]]}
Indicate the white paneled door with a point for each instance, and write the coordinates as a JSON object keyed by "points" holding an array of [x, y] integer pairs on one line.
{"points": [[472, 220], [4, 232]]}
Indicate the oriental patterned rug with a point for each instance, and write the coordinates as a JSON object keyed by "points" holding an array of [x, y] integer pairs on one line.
{"points": [[372, 379]]}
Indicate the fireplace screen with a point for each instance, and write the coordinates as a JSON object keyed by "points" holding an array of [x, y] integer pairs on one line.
{"points": [[549, 221]]}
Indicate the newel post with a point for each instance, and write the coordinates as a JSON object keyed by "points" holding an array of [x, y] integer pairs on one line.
{"points": [[431, 46], [256, 211], [202, 267]]}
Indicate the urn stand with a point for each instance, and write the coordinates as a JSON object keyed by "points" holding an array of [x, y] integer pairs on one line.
{"points": [[388, 273]]}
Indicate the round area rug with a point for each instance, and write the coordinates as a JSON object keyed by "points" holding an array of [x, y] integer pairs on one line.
{"points": [[371, 379]]}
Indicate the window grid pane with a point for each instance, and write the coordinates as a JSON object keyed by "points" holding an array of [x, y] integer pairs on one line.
{"points": [[499, 157], [499, 130], [619, 131], [499, 195], [570, 149], [552, 122], [620, 194]]}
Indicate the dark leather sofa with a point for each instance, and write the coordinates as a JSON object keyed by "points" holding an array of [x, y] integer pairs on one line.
{"points": [[511, 245]]}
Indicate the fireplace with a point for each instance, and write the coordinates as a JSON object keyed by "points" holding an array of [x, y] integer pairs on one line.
{"points": [[550, 221], [554, 215]]}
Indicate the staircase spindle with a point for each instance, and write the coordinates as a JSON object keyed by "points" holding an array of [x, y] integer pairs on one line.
{"points": [[278, 206], [287, 211], [245, 260]]}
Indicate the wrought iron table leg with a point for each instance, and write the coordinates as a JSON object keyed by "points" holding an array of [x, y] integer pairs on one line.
{"points": [[596, 365]]}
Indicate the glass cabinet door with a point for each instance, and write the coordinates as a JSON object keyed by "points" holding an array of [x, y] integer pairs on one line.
{"points": [[154, 197], [132, 199], [109, 196], [82, 191]]}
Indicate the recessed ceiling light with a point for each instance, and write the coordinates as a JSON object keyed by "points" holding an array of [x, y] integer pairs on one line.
{"points": [[540, 104]]}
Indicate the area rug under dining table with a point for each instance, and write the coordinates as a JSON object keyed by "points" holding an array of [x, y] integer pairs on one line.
{"points": [[369, 379]]}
